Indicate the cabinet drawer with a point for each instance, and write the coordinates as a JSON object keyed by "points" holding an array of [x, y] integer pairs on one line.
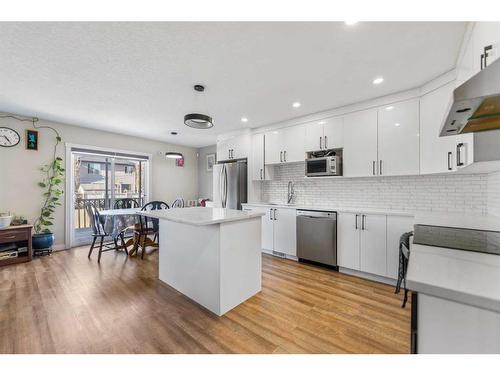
{"points": [[13, 236]]}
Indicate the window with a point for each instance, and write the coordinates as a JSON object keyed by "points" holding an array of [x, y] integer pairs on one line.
{"points": [[94, 168]]}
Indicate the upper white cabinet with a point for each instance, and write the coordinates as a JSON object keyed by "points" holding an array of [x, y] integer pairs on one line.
{"points": [[398, 139], [324, 134], [234, 148], [360, 143], [285, 145], [441, 154], [258, 169]]}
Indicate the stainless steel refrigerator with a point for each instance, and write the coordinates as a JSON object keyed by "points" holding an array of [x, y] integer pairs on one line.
{"points": [[230, 184]]}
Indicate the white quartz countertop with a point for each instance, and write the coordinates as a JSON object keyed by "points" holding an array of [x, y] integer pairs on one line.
{"points": [[201, 215], [462, 276], [381, 211]]}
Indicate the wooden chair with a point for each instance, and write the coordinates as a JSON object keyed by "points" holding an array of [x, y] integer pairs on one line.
{"points": [[99, 232], [148, 226], [126, 203]]}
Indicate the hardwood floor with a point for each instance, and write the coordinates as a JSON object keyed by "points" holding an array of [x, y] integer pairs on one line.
{"points": [[66, 303]]}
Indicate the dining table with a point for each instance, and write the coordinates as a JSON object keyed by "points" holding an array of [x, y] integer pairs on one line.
{"points": [[116, 221]]}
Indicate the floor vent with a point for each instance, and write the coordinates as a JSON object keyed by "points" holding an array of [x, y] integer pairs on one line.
{"points": [[278, 254]]}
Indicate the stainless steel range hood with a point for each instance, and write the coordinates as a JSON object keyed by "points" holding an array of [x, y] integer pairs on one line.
{"points": [[476, 103]]}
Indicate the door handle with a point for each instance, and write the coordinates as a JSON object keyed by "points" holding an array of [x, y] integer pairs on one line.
{"points": [[449, 161], [284, 156], [356, 222], [459, 158], [270, 214], [261, 173], [274, 214], [281, 156], [320, 139], [373, 168], [380, 171], [326, 142]]}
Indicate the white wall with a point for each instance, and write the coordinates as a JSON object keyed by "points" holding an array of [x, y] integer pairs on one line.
{"points": [[205, 180], [450, 192], [19, 168]]}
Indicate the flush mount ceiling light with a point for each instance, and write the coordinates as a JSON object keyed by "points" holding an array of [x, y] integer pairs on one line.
{"points": [[296, 105], [378, 80], [173, 155], [244, 119], [198, 120], [389, 108]]}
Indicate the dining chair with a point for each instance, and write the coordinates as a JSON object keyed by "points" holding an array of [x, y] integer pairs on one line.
{"points": [[148, 226], [178, 203], [98, 231], [126, 203]]}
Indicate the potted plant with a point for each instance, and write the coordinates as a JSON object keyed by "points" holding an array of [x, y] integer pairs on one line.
{"points": [[51, 183]]}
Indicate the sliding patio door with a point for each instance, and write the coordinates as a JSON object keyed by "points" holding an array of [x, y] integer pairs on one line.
{"points": [[104, 178]]}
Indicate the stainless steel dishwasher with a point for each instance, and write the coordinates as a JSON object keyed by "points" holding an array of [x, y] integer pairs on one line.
{"points": [[317, 237]]}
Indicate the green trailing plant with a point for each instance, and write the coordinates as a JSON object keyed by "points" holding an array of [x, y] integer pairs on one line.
{"points": [[52, 184]]}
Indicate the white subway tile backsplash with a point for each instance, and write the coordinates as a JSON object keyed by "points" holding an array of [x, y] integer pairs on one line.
{"points": [[493, 188], [452, 193]]}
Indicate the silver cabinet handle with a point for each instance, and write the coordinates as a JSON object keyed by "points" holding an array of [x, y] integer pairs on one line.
{"points": [[380, 171], [274, 216], [363, 222], [326, 142], [261, 173], [320, 140], [284, 156], [270, 214], [281, 156], [373, 168], [459, 154], [356, 222], [449, 161]]}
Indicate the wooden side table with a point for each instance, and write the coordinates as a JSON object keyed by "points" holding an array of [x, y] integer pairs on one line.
{"points": [[16, 242]]}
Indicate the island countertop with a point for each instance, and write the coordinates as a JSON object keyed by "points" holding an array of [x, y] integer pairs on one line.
{"points": [[201, 215]]}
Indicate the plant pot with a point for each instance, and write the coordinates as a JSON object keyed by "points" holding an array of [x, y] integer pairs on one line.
{"points": [[43, 240]]}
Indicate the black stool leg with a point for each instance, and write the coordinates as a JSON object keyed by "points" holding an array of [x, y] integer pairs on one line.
{"points": [[100, 250], [92, 246]]}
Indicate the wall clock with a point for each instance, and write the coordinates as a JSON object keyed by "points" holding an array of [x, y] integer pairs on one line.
{"points": [[8, 137]]}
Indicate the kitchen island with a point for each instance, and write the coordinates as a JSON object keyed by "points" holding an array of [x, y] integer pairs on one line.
{"points": [[211, 255], [456, 293]]}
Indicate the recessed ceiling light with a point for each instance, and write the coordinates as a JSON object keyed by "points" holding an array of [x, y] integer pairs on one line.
{"points": [[397, 124], [173, 133], [296, 105], [244, 119], [321, 123], [389, 108], [378, 80], [350, 23]]}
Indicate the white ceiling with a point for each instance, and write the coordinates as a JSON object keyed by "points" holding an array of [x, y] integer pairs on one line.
{"points": [[136, 78]]}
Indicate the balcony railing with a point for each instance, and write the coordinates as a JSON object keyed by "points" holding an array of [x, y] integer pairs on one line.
{"points": [[81, 217]]}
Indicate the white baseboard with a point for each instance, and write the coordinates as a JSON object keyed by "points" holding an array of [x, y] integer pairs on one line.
{"points": [[369, 276]]}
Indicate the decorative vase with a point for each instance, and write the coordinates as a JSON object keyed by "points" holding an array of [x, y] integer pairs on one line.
{"points": [[43, 240]]}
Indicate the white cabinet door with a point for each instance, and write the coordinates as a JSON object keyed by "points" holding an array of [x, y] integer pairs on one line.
{"points": [[285, 224], [485, 34], [437, 154], [223, 150], [257, 157], [274, 146], [267, 233], [373, 244], [313, 136], [468, 65], [293, 148], [239, 146], [398, 139], [396, 226], [360, 143], [333, 132], [348, 228]]}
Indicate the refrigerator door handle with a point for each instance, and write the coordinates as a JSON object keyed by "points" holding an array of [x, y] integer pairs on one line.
{"points": [[221, 181], [225, 187]]}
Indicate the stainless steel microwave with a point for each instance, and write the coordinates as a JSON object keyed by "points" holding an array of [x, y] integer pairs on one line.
{"points": [[325, 166]]}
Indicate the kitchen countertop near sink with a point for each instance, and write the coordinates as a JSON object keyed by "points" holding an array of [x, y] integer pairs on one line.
{"points": [[374, 211]]}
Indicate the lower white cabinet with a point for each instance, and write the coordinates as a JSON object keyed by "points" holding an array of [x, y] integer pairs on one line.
{"points": [[370, 243], [278, 229]]}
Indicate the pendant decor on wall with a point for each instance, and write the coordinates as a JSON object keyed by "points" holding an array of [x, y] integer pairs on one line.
{"points": [[31, 139]]}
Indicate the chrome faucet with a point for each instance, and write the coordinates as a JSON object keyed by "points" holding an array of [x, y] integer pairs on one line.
{"points": [[291, 192]]}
